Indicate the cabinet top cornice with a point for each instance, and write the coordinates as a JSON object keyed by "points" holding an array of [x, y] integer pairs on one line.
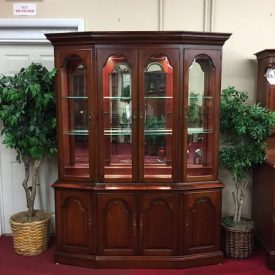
{"points": [[141, 37], [267, 53]]}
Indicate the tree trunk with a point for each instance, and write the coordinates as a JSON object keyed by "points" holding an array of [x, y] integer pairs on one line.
{"points": [[30, 191], [238, 196]]}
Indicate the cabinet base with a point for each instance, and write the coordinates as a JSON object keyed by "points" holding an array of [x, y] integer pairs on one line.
{"points": [[270, 259], [269, 254], [139, 261]]}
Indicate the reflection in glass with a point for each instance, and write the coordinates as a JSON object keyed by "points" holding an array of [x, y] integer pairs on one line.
{"points": [[158, 99], [75, 107], [270, 75], [117, 96], [200, 116]]}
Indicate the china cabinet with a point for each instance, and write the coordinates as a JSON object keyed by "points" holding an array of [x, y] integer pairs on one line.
{"points": [[138, 130], [263, 196]]}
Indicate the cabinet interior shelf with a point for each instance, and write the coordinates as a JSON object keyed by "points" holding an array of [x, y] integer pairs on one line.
{"points": [[129, 98], [200, 97], [75, 97], [77, 132], [118, 97], [147, 132], [199, 130], [158, 97], [160, 132], [118, 131]]}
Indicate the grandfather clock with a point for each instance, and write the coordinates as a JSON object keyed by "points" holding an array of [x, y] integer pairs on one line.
{"points": [[263, 197]]}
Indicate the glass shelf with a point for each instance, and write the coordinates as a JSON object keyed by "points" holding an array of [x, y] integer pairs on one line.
{"points": [[158, 97], [157, 132], [75, 97], [200, 97], [117, 97], [75, 132], [199, 130], [118, 132]]}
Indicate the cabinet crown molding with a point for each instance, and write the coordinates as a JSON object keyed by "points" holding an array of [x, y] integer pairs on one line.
{"points": [[132, 37]]}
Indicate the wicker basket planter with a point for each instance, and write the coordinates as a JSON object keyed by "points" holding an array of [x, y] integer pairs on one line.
{"points": [[30, 238], [238, 242]]}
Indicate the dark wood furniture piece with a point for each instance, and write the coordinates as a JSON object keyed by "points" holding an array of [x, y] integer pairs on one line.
{"points": [[138, 131], [263, 195]]}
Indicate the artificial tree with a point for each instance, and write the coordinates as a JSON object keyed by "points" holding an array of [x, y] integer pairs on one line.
{"points": [[244, 129], [27, 110]]}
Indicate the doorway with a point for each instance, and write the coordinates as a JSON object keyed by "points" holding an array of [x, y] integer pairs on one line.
{"points": [[22, 42]]}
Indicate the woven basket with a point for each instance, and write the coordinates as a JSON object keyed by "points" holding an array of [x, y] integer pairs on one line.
{"points": [[238, 243], [30, 238]]}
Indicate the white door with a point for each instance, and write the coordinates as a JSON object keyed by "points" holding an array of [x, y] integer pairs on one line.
{"points": [[13, 58], [21, 43]]}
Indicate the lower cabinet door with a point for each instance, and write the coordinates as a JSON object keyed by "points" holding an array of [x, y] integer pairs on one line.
{"points": [[75, 221], [117, 224], [159, 224], [201, 222]]}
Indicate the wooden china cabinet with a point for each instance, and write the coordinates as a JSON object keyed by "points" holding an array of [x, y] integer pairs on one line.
{"points": [[263, 196], [138, 130]]}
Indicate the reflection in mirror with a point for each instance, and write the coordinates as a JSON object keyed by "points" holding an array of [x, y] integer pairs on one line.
{"points": [[158, 95], [117, 95], [75, 107], [200, 116]]}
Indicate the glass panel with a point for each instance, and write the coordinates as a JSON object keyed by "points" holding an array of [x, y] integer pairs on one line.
{"points": [[200, 118], [270, 75], [117, 101], [158, 101], [75, 128]]}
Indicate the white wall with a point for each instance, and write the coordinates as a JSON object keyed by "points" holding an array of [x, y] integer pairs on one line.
{"points": [[252, 26]]}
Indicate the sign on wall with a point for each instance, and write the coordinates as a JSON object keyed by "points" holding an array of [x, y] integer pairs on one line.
{"points": [[27, 9]]}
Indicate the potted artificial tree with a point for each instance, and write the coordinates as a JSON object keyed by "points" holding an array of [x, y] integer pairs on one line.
{"points": [[244, 129], [27, 111]]}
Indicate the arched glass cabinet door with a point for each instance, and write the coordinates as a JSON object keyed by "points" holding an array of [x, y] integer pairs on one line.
{"points": [[201, 118], [75, 118], [117, 120], [158, 118]]}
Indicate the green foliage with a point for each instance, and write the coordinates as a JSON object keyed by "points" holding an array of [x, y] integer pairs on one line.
{"points": [[194, 109], [27, 109], [245, 128], [126, 92], [155, 123]]}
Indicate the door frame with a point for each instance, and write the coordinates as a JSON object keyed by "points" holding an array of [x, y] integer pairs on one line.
{"points": [[26, 32]]}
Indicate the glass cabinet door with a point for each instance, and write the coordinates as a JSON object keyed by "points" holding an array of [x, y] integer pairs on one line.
{"points": [[158, 118], [75, 118], [117, 120], [200, 118]]}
